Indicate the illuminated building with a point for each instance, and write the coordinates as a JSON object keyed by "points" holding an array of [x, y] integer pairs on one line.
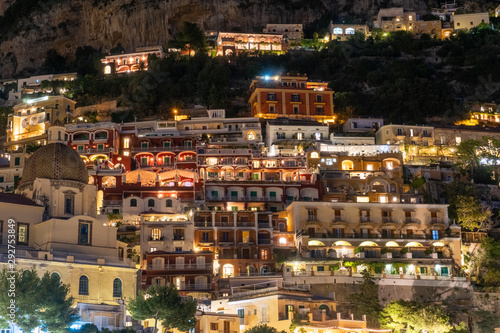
{"points": [[469, 21], [238, 42], [293, 96], [57, 231], [342, 32], [395, 19], [29, 121], [130, 62]]}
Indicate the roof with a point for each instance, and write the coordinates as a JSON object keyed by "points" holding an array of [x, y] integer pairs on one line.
{"points": [[16, 199]]}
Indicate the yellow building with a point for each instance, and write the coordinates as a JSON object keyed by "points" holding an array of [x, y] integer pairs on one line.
{"points": [[30, 120], [277, 306], [56, 231]]}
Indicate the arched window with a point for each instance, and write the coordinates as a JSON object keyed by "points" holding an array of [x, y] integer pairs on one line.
{"points": [[168, 203], [337, 31], [83, 287], [117, 288], [151, 203], [349, 31], [314, 155], [107, 70], [133, 203], [55, 276]]}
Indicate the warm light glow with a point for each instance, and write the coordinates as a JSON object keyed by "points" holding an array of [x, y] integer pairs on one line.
{"points": [[414, 244], [315, 243], [391, 244], [368, 243]]}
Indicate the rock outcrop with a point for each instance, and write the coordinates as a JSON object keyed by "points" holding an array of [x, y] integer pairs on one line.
{"points": [[64, 25]]}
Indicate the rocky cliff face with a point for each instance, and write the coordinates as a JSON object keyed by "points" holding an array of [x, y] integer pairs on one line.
{"points": [[64, 25]]}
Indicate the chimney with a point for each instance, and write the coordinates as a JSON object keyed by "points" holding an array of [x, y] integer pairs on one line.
{"points": [[323, 315]]}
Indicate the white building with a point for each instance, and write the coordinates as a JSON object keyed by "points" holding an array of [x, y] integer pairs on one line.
{"points": [[284, 135], [289, 31], [358, 125]]}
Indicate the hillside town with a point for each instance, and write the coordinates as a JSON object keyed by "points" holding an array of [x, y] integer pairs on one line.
{"points": [[294, 215]]}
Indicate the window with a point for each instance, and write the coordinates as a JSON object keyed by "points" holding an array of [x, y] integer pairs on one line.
{"points": [[85, 233], [338, 31], [126, 143], [300, 136], [214, 326], [349, 31], [151, 203], [69, 206], [320, 111], [166, 144], [271, 97], [400, 131], [272, 109], [83, 286], [22, 233], [264, 254], [156, 234], [263, 311], [133, 203], [55, 276], [435, 234], [295, 109], [117, 288], [312, 215], [168, 203], [17, 161]]}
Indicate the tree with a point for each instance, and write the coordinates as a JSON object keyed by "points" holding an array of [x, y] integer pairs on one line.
{"points": [[366, 301], [413, 317], [54, 62], [263, 328], [40, 302], [164, 303], [470, 214]]}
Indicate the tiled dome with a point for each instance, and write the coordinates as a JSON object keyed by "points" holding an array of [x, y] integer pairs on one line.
{"points": [[55, 161]]}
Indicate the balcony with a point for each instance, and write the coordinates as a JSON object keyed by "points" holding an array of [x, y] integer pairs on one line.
{"points": [[159, 149], [226, 243], [112, 202], [364, 236], [365, 219], [209, 240], [412, 220], [437, 220], [156, 239], [387, 219], [264, 225], [246, 224], [179, 237], [224, 224], [265, 242], [179, 267], [203, 224]]}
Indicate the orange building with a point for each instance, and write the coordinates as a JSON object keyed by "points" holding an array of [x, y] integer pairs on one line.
{"points": [[293, 96]]}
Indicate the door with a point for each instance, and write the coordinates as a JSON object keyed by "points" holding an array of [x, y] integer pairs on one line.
{"points": [[227, 326], [200, 262]]}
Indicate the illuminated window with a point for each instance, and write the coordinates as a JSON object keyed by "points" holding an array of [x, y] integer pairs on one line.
{"points": [[458, 140], [22, 234], [212, 161], [107, 70], [314, 155], [282, 241], [156, 234], [369, 167], [349, 31], [126, 143], [264, 254], [338, 31], [362, 199], [251, 135]]}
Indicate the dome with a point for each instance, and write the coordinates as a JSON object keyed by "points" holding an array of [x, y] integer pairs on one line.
{"points": [[55, 161]]}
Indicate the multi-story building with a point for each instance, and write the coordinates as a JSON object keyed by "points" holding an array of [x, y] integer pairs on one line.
{"points": [[191, 272], [278, 304], [485, 112], [366, 124], [29, 121], [241, 240], [361, 178], [57, 231], [394, 231], [342, 31], [11, 169], [293, 96], [96, 143], [289, 136], [130, 62], [469, 21], [432, 28], [238, 42], [395, 19], [291, 32]]}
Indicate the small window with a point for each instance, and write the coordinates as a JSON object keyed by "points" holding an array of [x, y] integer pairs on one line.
{"points": [[17, 161], [133, 203], [55, 276], [83, 287], [117, 288], [151, 203], [85, 233], [168, 203]]}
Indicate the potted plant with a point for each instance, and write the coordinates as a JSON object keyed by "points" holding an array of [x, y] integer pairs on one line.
{"points": [[386, 252], [359, 252], [405, 252]]}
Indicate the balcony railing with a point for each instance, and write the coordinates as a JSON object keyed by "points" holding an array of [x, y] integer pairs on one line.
{"points": [[203, 224], [365, 236], [224, 224], [178, 237], [246, 224], [265, 242], [174, 266]]}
